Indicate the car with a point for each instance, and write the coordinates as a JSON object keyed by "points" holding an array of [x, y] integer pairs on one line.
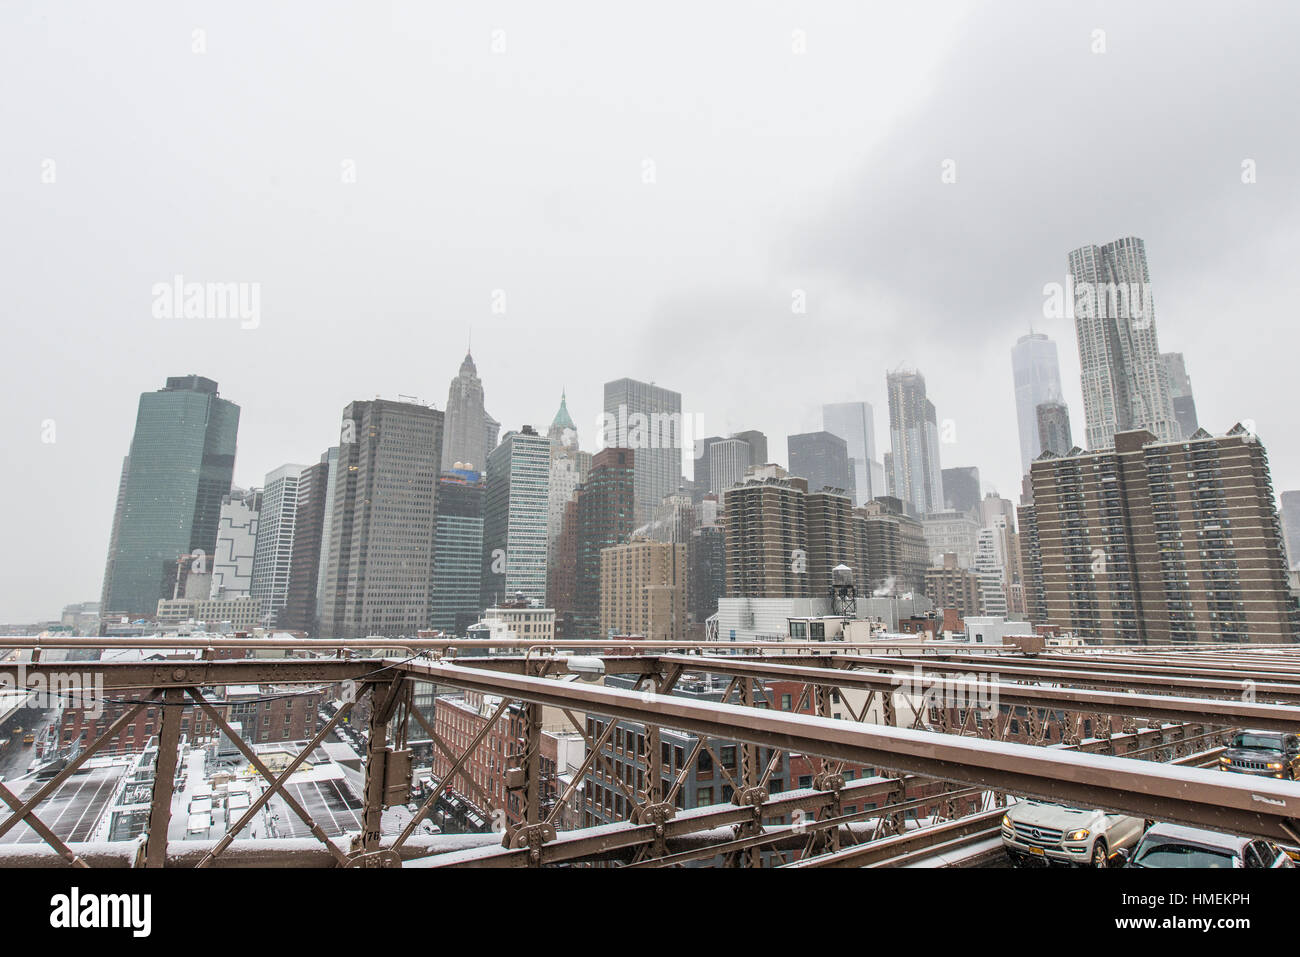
{"points": [[1172, 845], [1042, 832], [1265, 753]]}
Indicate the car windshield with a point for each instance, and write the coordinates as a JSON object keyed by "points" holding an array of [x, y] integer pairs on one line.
{"points": [[1169, 854], [1258, 742]]}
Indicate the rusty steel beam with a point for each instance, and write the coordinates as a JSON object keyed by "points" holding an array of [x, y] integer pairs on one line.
{"points": [[1190, 796], [1159, 707], [616, 838], [164, 778]]}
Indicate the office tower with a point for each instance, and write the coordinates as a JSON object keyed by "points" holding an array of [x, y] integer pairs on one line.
{"points": [[232, 560], [854, 422], [643, 590], [647, 419], [1031, 563], [1037, 376], [891, 549], [961, 489], [1155, 542], [302, 597], [949, 585], [951, 532], [702, 482], [331, 459], [1125, 382], [562, 572], [994, 506], [990, 568], [913, 473], [458, 552], [1180, 393], [177, 472], [765, 524], [1053, 429], [274, 549], [1291, 527], [515, 513], [380, 568], [728, 459], [707, 564], [569, 467], [757, 442], [604, 515], [675, 519], [829, 520], [822, 458], [469, 432]]}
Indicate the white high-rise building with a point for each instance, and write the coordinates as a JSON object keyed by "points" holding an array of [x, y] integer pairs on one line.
{"points": [[1037, 373], [855, 423], [515, 517], [990, 566], [274, 548], [1125, 381], [728, 459], [469, 433], [232, 562], [912, 467]]}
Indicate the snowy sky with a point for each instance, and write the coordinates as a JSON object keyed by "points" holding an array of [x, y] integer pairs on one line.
{"points": [[647, 188]]}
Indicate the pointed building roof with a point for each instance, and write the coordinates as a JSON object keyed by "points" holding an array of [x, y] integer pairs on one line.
{"points": [[468, 365], [562, 418]]}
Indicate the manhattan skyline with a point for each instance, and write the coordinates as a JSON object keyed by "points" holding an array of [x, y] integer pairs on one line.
{"points": [[370, 287]]}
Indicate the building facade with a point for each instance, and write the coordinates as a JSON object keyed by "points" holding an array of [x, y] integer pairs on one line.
{"points": [[174, 479], [381, 553], [1157, 542]]}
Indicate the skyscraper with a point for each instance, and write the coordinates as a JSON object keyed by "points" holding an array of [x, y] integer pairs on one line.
{"points": [[299, 611], [569, 467], [1180, 392], [273, 552], [961, 489], [647, 419], [232, 561], [854, 422], [913, 472], [822, 458], [604, 516], [757, 442], [1156, 542], [470, 433], [515, 512], [1125, 382], [380, 569], [728, 459], [1053, 420], [458, 552], [1037, 374], [176, 474]]}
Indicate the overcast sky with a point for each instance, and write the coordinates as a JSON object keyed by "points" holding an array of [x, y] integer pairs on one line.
{"points": [[649, 186]]}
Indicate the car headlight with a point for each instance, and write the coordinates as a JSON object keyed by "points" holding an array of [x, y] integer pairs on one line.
{"points": [[1006, 821], [1225, 760], [1275, 765], [1079, 835]]}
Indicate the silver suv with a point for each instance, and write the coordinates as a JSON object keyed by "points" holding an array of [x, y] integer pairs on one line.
{"points": [[1041, 832]]}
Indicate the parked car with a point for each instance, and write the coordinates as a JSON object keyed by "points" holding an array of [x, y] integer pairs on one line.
{"points": [[1265, 753], [1038, 831], [1172, 845]]}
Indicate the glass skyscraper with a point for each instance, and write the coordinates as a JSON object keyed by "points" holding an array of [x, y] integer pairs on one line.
{"points": [[178, 470]]}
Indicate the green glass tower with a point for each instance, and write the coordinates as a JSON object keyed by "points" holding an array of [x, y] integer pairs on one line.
{"points": [[180, 465]]}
